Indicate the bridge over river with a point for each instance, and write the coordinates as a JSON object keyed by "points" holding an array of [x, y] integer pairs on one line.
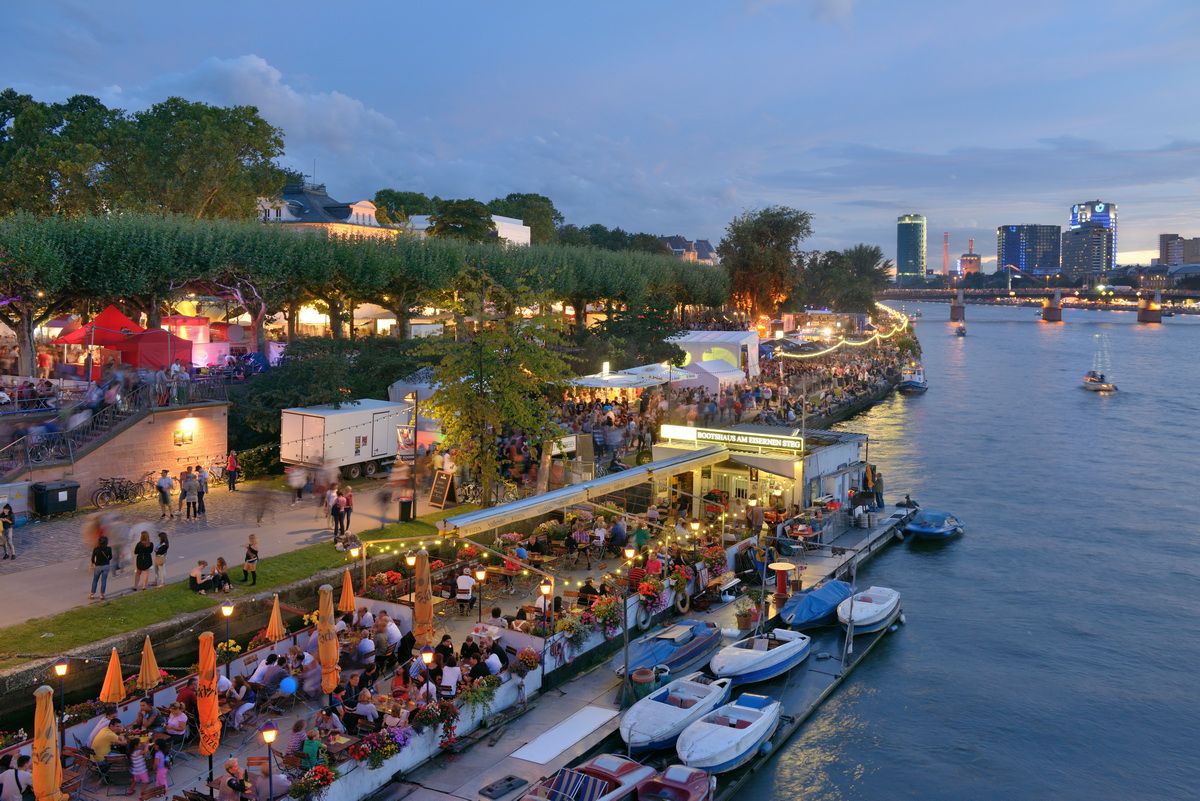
{"points": [[1149, 302]]}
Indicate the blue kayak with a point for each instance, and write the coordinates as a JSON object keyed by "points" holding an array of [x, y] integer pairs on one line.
{"points": [[930, 524], [816, 607], [682, 646]]}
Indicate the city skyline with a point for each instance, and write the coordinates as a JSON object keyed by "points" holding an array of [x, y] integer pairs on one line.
{"points": [[832, 106]]}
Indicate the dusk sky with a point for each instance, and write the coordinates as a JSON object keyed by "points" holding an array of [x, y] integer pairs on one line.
{"points": [[673, 116]]}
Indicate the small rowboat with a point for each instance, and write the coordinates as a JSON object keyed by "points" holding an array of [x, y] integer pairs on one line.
{"points": [[608, 777], [730, 736], [930, 524], [761, 657], [678, 783], [874, 609], [657, 720]]}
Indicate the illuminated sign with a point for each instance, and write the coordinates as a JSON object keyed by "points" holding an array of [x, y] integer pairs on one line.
{"points": [[720, 436]]}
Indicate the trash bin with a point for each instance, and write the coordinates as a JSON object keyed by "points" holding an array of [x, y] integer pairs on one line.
{"points": [[406, 511], [54, 497]]}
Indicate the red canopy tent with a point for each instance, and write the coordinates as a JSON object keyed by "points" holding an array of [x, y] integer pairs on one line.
{"points": [[155, 348], [108, 328]]}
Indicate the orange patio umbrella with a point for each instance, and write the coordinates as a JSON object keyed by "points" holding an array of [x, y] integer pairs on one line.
{"points": [[207, 712], [346, 600], [423, 606], [113, 691], [275, 629], [327, 643], [149, 676], [47, 767]]}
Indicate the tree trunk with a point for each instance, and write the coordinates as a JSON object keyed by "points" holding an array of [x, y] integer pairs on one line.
{"points": [[335, 319], [400, 330], [580, 306], [26, 349], [258, 334], [153, 313], [291, 313], [543, 476]]}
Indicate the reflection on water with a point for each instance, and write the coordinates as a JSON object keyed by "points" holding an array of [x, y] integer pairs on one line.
{"points": [[1050, 651]]}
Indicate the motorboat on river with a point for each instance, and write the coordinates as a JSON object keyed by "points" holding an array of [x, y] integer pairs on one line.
{"points": [[730, 736], [912, 379], [607, 777], [1097, 382], [961, 331], [678, 783], [1096, 379], [873, 609], [681, 647], [657, 720], [930, 524], [762, 656], [816, 607]]}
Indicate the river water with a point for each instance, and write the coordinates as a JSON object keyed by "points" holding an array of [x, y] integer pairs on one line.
{"points": [[1053, 651]]}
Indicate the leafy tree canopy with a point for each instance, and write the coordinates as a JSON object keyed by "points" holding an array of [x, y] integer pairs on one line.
{"points": [[399, 205], [536, 211], [468, 220], [761, 253]]}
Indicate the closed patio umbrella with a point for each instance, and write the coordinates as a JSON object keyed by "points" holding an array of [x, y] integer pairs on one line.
{"points": [[327, 642], [346, 599], [149, 676], [47, 767], [113, 691], [275, 629], [423, 606], [208, 714]]}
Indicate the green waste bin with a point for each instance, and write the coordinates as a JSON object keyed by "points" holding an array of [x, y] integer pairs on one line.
{"points": [[54, 497]]}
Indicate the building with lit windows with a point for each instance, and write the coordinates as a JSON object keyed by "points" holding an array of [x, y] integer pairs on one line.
{"points": [[910, 247], [1093, 225], [1032, 249]]}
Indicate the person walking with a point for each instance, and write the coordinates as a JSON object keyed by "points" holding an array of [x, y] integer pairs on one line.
{"points": [[143, 559], [202, 478], [337, 510], [189, 489], [160, 559], [231, 470], [7, 522], [297, 477], [102, 557], [250, 564], [347, 508], [164, 486]]}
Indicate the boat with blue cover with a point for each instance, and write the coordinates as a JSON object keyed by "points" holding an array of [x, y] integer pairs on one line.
{"points": [[731, 735], [912, 379], [931, 524], [816, 607], [681, 647]]}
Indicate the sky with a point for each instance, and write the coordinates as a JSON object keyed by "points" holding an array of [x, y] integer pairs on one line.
{"points": [[674, 116]]}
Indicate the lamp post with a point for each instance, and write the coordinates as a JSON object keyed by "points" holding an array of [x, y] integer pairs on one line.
{"points": [[546, 588], [362, 551], [410, 559], [227, 612], [626, 687], [480, 577], [695, 524], [427, 655], [269, 732], [60, 670]]}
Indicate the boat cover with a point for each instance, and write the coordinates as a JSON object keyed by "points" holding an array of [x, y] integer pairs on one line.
{"points": [[807, 608], [658, 648], [931, 520]]}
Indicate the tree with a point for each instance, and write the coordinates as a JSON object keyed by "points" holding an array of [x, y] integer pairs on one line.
{"points": [[33, 280], [869, 274], [399, 205], [761, 253], [536, 211], [639, 335], [197, 160], [468, 220]]}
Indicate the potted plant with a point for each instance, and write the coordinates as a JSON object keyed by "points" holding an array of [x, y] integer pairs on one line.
{"points": [[743, 612]]}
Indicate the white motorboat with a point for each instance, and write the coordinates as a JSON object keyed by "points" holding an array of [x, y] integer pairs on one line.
{"points": [[761, 657], [873, 609], [1096, 379], [729, 736], [656, 721], [1096, 382]]}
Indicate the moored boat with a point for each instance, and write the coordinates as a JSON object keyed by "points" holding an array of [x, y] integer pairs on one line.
{"points": [[680, 647], [657, 720], [607, 777], [729, 736], [912, 379], [678, 783], [930, 524], [873, 609], [762, 656], [816, 607]]}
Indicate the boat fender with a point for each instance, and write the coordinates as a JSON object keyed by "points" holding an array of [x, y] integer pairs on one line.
{"points": [[683, 602], [901, 619], [823, 655], [899, 534], [731, 633], [766, 748], [894, 628], [643, 618]]}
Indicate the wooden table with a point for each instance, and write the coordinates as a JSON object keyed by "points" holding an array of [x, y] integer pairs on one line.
{"points": [[410, 600], [339, 743]]}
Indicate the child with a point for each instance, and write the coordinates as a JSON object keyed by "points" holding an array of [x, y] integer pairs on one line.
{"points": [[161, 749], [137, 764]]}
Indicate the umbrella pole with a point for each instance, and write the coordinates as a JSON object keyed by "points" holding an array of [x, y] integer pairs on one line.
{"points": [[210, 776]]}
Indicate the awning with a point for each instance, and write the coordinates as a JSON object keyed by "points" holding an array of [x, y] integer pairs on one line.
{"points": [[486, 519], [784, 468]]}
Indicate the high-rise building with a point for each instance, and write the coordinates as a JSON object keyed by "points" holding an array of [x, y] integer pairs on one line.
{"points": [[1174, 250], [969, 262], [910, 247], [1092, 214], [1032, 249], [1087, 250]]}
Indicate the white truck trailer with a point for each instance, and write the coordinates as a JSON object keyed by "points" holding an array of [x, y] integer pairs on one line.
{"points": [[359, 437]]}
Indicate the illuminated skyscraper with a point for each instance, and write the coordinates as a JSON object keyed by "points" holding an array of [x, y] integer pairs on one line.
{"points": [[1089, 245], [910, 247], [1032, 249]]}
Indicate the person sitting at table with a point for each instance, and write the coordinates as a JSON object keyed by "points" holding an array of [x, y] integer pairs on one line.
{"points": [[107, 712], [337, 700], [364, 652], [451, 676], [344, 623], [220, 577], [148, 718], [295, 740], [477, 668], [366, 709], [425, 690], [521, 622], [274, 674], [241, 698], [390, 628], [312, 752], [353, 688], [494, 647], [469, 648], [588, 592], [395, 716], [15, 779], [465, 591], [110, 738], [369, 677], [493, 664], [199, 580], [327, 722], [266, 784], [233, 785], [177, 724], [260, 670], [364, 619], [497, 619], [186, 696]]}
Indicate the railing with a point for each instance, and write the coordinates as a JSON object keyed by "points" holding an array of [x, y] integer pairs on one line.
{"points": [[33, 404], [44, 448]]}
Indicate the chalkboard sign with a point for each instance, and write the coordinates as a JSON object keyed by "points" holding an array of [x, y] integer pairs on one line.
{"points": [[441, 489]]}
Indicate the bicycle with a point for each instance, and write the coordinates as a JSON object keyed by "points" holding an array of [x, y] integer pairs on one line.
{"points": [[117, 489]]}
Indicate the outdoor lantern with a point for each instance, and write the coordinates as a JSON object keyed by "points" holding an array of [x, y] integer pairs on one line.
{"points": [[427, 655], [269, 731], [60, 667], [480, 574], [227, 608], [546, 587], [695, 525], [410, 559], [354, 553], [630, 552]]}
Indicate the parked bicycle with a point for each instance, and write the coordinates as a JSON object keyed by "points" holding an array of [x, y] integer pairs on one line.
{"points": [[119, 489]]}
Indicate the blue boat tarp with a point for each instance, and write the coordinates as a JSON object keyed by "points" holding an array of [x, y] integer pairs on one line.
{"points": [[932, 521], [658, 647], [815, 606]]}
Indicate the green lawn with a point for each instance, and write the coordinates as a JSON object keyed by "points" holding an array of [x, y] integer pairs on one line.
{"points": [[27, 641]]}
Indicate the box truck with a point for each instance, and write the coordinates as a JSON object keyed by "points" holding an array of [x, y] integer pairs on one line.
{"points": [[359, 437]]}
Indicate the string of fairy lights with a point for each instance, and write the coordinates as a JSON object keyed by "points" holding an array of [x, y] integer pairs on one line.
{"points": [[878, 336]]}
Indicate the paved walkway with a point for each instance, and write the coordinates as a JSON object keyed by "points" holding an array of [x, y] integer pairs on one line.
{"points": [[52, 574]]}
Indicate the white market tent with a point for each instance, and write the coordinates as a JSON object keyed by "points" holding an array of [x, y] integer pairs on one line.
{"points": [[713, 376], [738, 349], [642, 377], [662, 373]]}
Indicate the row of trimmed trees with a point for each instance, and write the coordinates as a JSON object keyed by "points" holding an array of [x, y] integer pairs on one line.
{"points": [[52, 265]]}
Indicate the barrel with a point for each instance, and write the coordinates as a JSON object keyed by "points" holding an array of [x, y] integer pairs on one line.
{"points": [[645, 681]]}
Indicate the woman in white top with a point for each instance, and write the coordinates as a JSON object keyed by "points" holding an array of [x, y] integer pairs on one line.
{"points": [[451, 676], [366, 708]]}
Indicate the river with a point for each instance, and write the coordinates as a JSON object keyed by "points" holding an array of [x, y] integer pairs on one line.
{"points": [[1053, 651]]}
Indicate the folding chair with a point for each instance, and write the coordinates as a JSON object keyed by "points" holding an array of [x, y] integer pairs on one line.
{"points": [[153, 792]]}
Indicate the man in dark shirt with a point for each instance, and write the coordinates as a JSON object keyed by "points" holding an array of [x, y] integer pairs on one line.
{"points": [[187, 697], [588, 593], [478, 668]]}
